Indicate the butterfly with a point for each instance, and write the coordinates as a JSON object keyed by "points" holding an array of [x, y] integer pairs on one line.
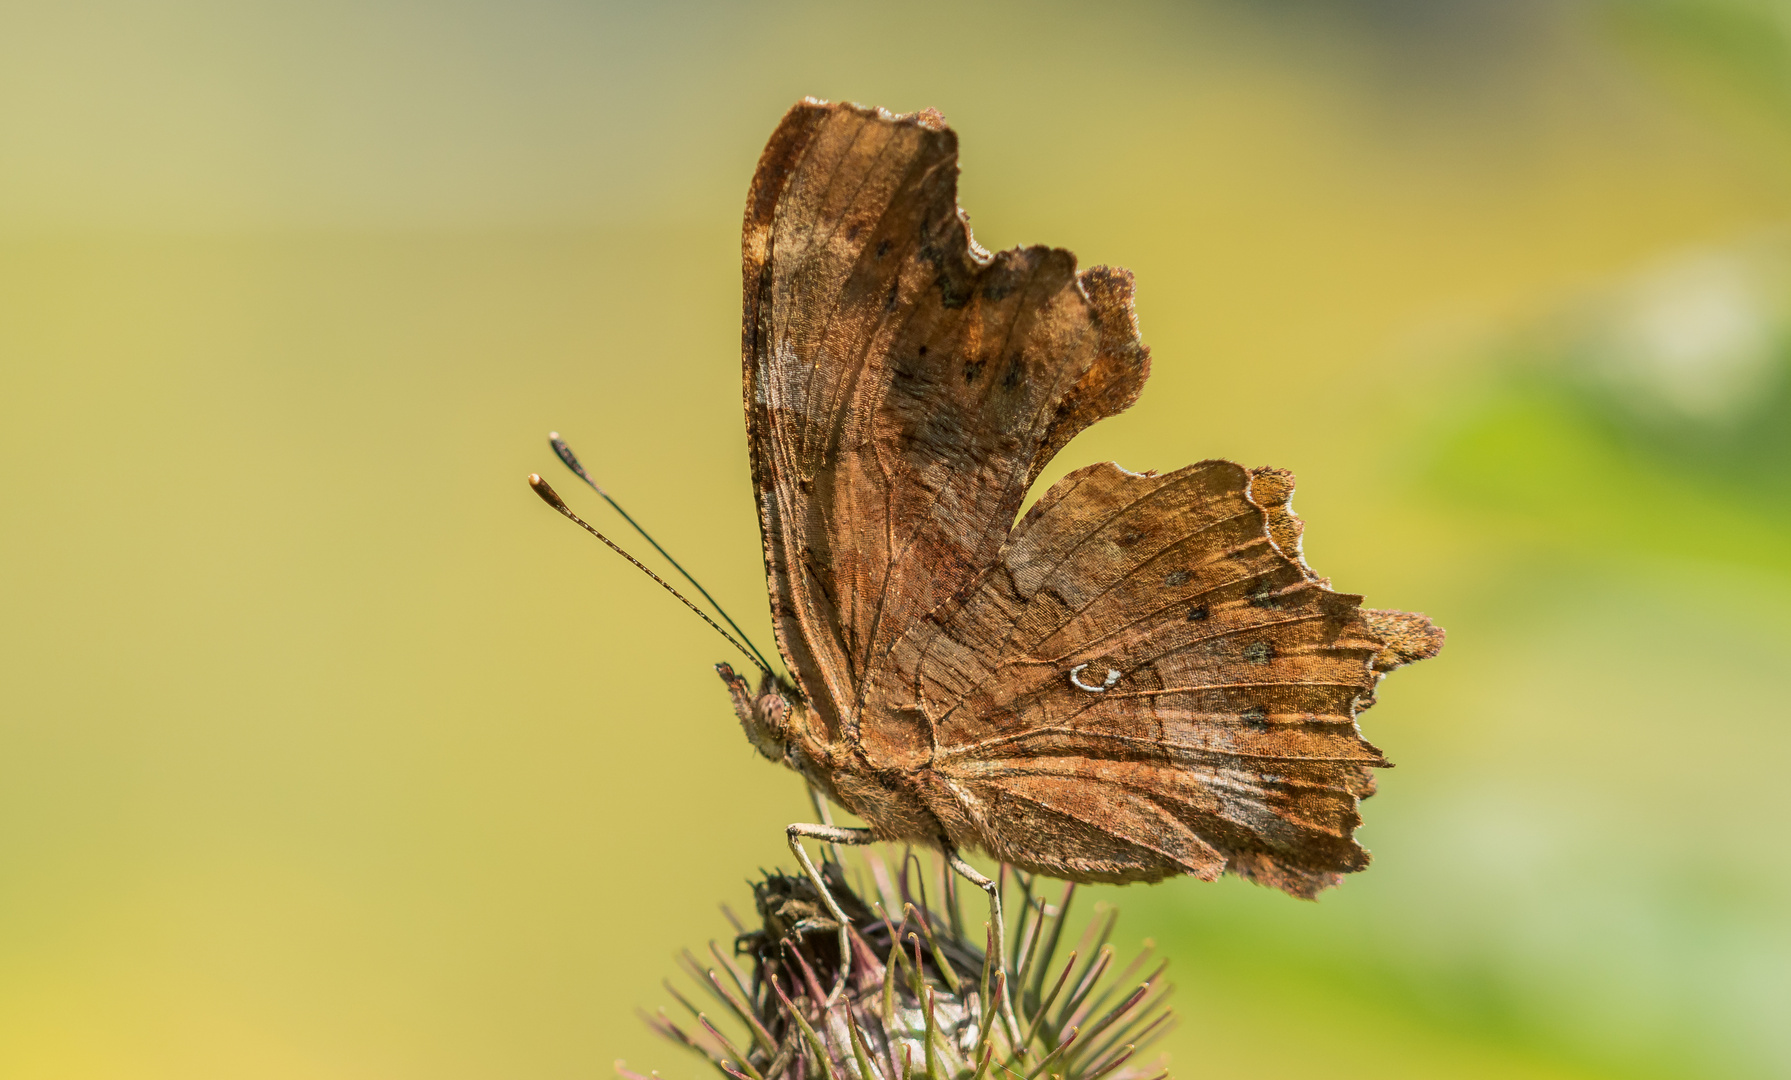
{"points": [[1140, 678]]}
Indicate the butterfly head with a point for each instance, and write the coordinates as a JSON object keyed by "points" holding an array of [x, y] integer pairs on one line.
{"points": [[764, 715]]}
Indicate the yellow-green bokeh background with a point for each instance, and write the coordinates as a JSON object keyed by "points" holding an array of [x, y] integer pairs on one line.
{"points": [[327, 751]]}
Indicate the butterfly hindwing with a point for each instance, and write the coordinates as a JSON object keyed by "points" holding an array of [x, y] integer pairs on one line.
{"points": [[1144, 654]]}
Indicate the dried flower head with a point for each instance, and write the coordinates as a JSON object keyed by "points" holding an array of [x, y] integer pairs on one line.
{"points": [[922, 998]]}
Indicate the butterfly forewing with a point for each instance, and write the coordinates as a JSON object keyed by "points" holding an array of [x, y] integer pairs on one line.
{"points": [[903, 387]]}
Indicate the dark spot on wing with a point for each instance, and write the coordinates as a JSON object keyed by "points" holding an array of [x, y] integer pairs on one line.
{"points": [[1198, 614], [1016, 368], [882, 248], [1259, 652], [1256, 718], [972, 370], [953, 293], [1177, 577]]}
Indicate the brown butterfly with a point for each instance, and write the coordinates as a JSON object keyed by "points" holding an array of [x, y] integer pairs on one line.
{"points": [[1141, 677]]}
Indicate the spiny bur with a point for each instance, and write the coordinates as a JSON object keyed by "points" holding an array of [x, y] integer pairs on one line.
{"points": [[922, 998]]}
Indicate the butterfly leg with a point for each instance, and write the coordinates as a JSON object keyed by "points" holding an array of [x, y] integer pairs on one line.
{"points": [[989, 886], [832, 834], [825, 817]]}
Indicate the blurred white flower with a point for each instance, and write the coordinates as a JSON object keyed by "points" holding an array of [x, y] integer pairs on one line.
{"points": [[1697, 335]]}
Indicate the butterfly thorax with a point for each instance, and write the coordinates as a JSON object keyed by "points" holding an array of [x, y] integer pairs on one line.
{"points": [[887, 795], [893, 789]]}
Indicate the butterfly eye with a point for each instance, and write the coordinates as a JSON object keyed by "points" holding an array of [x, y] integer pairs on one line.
{"points": [[776, 710], [1106, 684]]}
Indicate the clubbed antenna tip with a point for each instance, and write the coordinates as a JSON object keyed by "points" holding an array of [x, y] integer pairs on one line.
{"points": [[548, 494]]}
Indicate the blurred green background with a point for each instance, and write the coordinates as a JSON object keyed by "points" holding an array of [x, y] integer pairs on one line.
{"points": [[327, 751]]}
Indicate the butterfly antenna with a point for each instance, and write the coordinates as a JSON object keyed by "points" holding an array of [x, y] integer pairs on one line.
{"points": [[552, 498], [570, 460]]}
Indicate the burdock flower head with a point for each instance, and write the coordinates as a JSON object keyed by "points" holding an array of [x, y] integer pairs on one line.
{"points": [[922, 997]]}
